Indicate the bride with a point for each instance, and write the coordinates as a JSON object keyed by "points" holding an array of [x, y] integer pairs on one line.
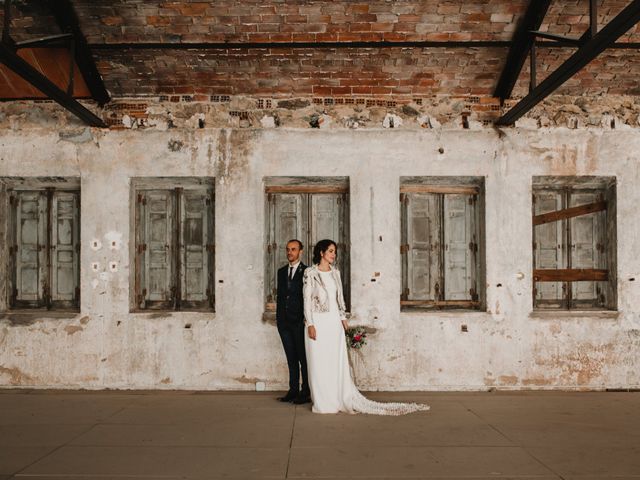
{"points": [[332, 388]]}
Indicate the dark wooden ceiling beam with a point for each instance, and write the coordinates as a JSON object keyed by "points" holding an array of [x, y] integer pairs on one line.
{"points": [[21, 68], [590, 49], [520, 47], [67, 20]]}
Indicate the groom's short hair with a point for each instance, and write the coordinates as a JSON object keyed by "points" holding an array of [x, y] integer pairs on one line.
{"points": [[296, 240]]}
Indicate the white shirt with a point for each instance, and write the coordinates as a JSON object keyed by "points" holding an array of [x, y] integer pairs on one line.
{"points": [[295, 267]]}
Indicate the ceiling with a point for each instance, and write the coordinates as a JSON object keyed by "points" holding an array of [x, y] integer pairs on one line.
{"points": [[306, 48]]}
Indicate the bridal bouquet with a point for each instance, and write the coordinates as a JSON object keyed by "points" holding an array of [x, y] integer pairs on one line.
{"points": [[356, 337]]}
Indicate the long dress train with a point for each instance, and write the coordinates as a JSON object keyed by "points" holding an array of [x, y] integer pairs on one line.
{"points": [[332, 388]]}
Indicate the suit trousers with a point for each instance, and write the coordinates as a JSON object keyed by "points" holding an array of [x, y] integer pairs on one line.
{"points": [[292, 336]]}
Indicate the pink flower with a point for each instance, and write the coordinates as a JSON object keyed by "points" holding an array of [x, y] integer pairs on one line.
{"points": [[357, 338]]}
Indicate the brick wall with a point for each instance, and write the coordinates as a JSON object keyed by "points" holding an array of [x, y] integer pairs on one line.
{"points": [[400, 72]]}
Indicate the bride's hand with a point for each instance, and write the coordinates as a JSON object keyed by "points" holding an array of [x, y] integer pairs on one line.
{"points": [[345, 325], [312, 332]]}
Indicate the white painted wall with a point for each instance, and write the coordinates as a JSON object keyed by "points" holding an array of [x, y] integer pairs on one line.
{"points": [[106, 346]]}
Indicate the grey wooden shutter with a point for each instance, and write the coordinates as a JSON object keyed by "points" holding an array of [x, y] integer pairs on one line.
{"points": [[158, 209], [30, 258], [290, 220], [329, 218], [423, 235], [586, 248], [344, 242], [549, 248], [325, 220], [65, 242], [460, 245], [196, 232]]}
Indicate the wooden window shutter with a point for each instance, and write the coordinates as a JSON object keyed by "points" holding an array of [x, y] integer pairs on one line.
{"points": [[549, 249], [65, 251], [586, 250], [424, 250], [460, 247], [158, 246], [196, 238], [290, 216], [30, 240]]}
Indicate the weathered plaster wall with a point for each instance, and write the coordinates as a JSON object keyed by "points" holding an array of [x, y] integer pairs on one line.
{"points": [[508, 346]]}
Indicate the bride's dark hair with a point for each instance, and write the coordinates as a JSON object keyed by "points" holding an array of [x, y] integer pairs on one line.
{"points": [[321, 247]]}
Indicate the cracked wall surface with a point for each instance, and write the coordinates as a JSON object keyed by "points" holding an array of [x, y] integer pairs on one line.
{"points": [[507, 346]]}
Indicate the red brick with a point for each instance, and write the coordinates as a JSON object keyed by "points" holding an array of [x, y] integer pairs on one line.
{"points": [[112, 21], [154, 20], [195, 9], [360, 27], [358, 8], [361, 90], [318, 90], [295, 19]]}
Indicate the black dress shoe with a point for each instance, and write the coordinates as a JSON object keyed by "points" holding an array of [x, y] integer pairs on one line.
{"points": [[289, 397], [302, 399]]}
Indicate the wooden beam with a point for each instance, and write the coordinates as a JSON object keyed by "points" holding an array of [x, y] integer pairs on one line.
{"points": [[46, 86], [67, 19], [569, 213], [589, 50], [520, 46], [571, 275], [452, 189]]}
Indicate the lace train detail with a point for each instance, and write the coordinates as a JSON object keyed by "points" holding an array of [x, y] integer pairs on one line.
{"points": [[361, 404]]}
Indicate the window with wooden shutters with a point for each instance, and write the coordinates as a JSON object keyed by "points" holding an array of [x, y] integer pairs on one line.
{"points": [[441, 242], [44, 247], [174, 245], [574, 243], [308, 209]]}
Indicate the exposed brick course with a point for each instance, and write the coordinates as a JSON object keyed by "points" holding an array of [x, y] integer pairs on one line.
{"points": [[402, 72]]}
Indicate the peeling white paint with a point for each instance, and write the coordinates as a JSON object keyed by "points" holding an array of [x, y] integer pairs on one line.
{"points": [[226, 349]]}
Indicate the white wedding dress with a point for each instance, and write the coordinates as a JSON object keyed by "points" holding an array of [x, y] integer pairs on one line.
{"points": [[332, 388]]}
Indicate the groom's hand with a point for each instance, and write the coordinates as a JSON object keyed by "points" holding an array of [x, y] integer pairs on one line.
{"points": [[312, 332]]}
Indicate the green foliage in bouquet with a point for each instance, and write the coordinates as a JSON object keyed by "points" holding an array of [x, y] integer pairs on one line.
{"points": [[356, 337]]}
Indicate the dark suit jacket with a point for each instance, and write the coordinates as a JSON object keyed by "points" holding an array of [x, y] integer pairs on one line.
{"points": [[290, 304]]}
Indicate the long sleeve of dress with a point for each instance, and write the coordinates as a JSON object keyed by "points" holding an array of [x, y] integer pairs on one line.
{"points": [[341, 305], [306, 295]]}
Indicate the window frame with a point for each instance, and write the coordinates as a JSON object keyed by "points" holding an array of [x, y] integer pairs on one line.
{"points": [[604, 278], [177, 189], [437, 188], [309, 187], [50, 193]]}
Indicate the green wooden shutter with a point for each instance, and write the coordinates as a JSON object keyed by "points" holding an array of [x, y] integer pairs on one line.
{"points": [[196, 239], [549, 249], [30, 258], [65, 241], [460, 245], [423, 236], [587, 249], [158, 247]]}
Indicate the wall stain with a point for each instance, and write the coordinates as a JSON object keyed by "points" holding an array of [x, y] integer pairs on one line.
{"points": [[508, 380], [538, 381], [166, 380], [245, 379], [17, 376], [71, 329]]}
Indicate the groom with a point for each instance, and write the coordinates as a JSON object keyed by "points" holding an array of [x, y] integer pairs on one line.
{"points": [[290, 319]]}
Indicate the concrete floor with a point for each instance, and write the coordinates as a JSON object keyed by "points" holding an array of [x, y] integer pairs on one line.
{"points": [[166, 435]]}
